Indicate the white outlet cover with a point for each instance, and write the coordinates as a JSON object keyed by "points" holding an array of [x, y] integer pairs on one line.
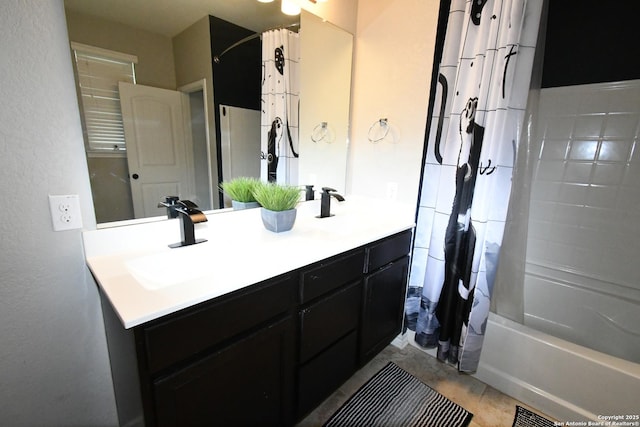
{"points": [[65, 212]]}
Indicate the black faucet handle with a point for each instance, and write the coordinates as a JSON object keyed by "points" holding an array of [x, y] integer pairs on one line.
{"points": [[332, 192], [170, 202], [190, 211], [187, 204]]}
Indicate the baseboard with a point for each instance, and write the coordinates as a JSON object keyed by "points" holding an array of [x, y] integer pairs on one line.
{"points": [[400, 341]]}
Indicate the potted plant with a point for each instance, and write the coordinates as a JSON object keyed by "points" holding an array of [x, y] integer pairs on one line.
{"points": [[278, 205], [240, 191]]}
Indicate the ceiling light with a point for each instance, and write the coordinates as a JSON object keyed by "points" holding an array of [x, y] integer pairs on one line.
{"points": [[290, 7], [265, 1]]}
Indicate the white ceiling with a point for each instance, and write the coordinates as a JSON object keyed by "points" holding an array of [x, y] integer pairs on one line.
{"points": [[170, 17]]}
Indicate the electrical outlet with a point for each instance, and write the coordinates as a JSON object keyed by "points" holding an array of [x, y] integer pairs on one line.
{"points": [[65, 212], [392, 190]]}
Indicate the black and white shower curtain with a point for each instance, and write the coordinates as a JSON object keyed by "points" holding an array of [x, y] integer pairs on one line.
{"points": [[480, 102], [280, 105]]}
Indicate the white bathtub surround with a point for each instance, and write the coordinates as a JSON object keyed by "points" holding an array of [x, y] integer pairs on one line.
{"points": [[585, 310], [144, 279], [582, 282]]}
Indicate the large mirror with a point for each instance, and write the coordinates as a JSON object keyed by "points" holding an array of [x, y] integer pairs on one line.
{"points": [[192, 48]]}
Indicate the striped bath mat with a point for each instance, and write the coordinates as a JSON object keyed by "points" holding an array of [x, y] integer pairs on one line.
{"points": [[394, 397], [526, 418]]}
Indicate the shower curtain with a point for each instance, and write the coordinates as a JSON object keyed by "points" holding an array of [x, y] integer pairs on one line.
{"points": [[480, 102], [280, 105]]}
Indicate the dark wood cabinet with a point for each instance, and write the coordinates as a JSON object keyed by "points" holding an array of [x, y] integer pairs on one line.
{"points": [[226, 362], [387, 268], [248, 383], [382, 307], [327, 320], [265, 355], [190, 332], [328, 328], [323, 374]]}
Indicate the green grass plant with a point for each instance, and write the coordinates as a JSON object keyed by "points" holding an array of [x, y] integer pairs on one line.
{"points": [[277, 197], [241, 189]]}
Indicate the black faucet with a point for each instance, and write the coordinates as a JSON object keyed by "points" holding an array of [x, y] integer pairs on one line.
{"points": [[325, 201], [189, 215], [309, 194]]}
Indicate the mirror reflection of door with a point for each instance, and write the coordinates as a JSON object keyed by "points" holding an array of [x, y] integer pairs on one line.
{"points": [[240, 143], [159, 153]]}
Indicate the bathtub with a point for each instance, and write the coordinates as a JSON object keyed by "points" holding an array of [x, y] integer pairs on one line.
{"points": [[576, 357], [564, 380]]}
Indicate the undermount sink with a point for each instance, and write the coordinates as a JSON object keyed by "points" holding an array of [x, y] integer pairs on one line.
{"points": [[333, 225], [169, 268], [339, 223]]}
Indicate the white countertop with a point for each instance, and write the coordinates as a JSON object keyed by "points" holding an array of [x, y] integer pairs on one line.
{"points": [[144, 279]]}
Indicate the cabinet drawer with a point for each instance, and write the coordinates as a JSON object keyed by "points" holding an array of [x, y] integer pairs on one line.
{"points": [[387, 250], [325, 373], [331, 274], [204, 326], [326, 321]]}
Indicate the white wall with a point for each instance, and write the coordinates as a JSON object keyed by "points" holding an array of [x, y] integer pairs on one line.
{"points": [[342, 13], [326, 60], [394, 48], [156, 64], [53, 358], [192, 53]]}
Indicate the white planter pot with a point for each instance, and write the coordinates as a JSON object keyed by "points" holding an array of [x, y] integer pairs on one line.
{"points": [[278, 221]]}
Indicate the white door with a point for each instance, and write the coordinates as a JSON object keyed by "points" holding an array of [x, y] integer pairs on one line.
{"points": [[158, 153]]}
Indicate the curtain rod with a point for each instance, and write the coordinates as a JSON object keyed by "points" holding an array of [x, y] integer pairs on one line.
{"points": [[216, 58]]}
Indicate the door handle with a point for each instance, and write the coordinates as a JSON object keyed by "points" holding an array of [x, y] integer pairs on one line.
{"points": [[135, 176]]}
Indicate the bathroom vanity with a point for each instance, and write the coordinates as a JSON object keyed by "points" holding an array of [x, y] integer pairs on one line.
{"points": [[259, 340]]}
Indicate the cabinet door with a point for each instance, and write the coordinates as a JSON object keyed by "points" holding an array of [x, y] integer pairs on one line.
{"points": [[382, 308], [249, 383]]}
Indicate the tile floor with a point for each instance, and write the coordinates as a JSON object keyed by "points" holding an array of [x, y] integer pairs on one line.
{"points": [[490, 407]]}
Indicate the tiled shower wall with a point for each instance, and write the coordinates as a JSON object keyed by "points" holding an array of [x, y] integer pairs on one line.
{"points": [[583, 251]]}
